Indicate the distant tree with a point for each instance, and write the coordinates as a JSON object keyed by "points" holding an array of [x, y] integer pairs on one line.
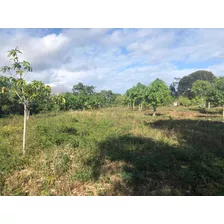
{"points": [[71, 101], [136, 95], [59, 102], [185, 83], [95, 101], [184, 101], [83, 94], [37, 95], [81, 89], [174, 86], [4, 95], [140, 90], [157, 94], [108, 97], [216, 93], [127, 100], [131, 95], [120, 100], [200, 90]]}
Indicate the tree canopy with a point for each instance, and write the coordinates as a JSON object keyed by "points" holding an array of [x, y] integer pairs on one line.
{"points": [[200, 90], [185, 83], [158, 94]]}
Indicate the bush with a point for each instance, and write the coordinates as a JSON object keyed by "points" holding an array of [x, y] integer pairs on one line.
{"points": [[184, 101]]}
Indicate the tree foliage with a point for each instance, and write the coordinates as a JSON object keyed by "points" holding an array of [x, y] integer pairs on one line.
{"points": [[185, 83], [158, 94], [200, 90], [136, 94], [216, 93]]}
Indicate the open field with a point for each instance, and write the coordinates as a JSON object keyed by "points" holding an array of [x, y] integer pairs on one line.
{"points": [[114, 152]]}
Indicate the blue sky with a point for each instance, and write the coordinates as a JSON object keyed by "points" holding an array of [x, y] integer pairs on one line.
{"points": [[114, 59]]}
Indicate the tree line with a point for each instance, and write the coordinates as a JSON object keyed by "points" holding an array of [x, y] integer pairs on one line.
{"points": [[201, 88]]}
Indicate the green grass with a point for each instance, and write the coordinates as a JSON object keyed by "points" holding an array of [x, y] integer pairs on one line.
{"points": [[114, 152]]}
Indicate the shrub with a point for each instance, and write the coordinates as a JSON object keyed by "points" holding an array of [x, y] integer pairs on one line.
{"points": [[184, 101]]}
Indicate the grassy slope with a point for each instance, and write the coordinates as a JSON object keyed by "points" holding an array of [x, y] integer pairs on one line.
{"points": [[114, 152]]}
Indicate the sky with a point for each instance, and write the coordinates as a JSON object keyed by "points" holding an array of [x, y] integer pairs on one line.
{"points": [[114, 59]]}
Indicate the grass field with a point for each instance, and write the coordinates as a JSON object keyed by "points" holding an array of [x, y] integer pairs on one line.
{"points": [[114, 152]]}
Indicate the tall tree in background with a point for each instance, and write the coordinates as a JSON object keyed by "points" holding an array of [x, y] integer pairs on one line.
{"points": [[174, 87], [185, 83], [83, 94], [158, 94], [108, 96]]}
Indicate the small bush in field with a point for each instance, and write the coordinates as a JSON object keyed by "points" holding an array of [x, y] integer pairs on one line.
{"points": [[184, 101]]}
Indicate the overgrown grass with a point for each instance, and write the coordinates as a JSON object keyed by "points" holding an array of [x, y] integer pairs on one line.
{"points": [[114, 152]]}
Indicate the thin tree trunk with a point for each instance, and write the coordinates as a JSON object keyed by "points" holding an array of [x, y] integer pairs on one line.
{"points": [[154, 112], [209, 105], [140, 107], [28, 114], [223, 111], [203, 103], [24, 128], [133, 105]]}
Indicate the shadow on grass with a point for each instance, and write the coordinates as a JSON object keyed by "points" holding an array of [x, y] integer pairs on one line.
{"points": [[200, 134], [208, 116], [149, 167], [207, 111]]}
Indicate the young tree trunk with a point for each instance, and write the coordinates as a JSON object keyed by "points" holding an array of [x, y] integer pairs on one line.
{"points": [[140, 107], [154, 112], [223, 111], [133, 105], [209, 105], [28, 115], [24, 128], [203, 103]]}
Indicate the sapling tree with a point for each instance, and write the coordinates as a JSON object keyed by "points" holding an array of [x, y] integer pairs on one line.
{"points": [[158, 94], [17, 71]]}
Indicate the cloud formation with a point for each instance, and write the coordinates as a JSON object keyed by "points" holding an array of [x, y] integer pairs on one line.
{"points": [[114, 59]]}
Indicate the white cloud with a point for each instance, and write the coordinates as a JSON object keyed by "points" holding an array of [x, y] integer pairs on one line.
{"points": [[114, 59]]}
